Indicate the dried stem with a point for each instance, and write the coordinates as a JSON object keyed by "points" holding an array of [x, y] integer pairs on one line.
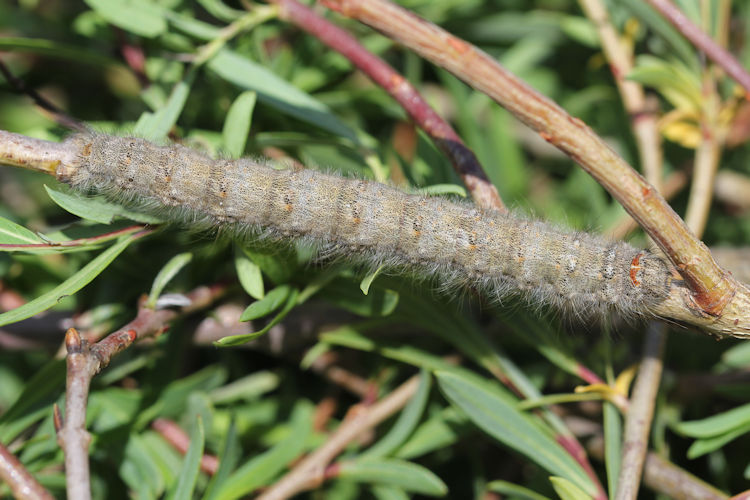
{"points": [[662, 476], [59, 116], [20, 481], [733, 188], [702, 41], [641, 412], [642, 112], [310, 471], [445, 138], [673, 184], [714, 298], [84, 361]]}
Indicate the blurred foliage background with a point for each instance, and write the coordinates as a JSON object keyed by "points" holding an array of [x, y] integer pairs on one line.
{"points": [[272, 90]]}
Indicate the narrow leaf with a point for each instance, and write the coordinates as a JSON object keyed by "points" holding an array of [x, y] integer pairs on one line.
{"points": [[166, 274], [237, 123], [405, 424], [260, 470], [249, 274], [268, 304], [137, 16], [185, 485], [492, 411], [69, 286], [407, 475], [12, 233], [568, 490], [233, 340]]}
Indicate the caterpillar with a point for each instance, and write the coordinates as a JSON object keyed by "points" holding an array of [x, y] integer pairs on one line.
{"points": [[364, 220]]}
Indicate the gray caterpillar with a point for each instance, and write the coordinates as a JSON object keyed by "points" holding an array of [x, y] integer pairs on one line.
{"points": [[361, 219]]}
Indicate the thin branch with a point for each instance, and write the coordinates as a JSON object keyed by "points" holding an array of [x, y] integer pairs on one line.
{"points": [[662, 476], [58, 115], [673, 184], [101, 238], [310, 471], [84, 361], [445, 138], [641, 412], [733, 188], [702, 41], [20, 481], [713, 297], [642, 111], [180, 441]]}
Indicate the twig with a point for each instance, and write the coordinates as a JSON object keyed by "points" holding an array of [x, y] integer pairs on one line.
{"points": [[59, 116], [733, 188], [642, 112], [20, 481], [641, 412], [310, 471], [702, 41], [713, 295], [662, 476], [180, 441], [84, 361], [673, 184], [102, 238], [706, 159], [463, 159]]}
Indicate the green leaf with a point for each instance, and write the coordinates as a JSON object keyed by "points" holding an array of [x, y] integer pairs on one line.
{"points": [[166, 274], [717, 424], [676, 82], [156, 126], [737, 356], [259, 471], [612, 445], [377, 303], [404, 426], [567, 490], [492, 409], [69, 286], [233, 340], [706, 445], [276, 92], [268, 304], [140, 17], [230, 455], [12, 233], [514, 491], [33, 404], [387, 492], [237, 123], [407, 475], [249, 274], [438, 433], [247, 388], [191, 467], [367, 280], [95, 208]]}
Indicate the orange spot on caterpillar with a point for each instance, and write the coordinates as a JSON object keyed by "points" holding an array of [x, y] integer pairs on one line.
{"points": [[288, 207], [417, 233], [223, 194], [635, 266], [167, 178], [356, 220], [86, 149], [472, 247]]}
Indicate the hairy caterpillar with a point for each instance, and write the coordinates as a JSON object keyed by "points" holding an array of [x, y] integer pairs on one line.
{"points": [[367, 220]]}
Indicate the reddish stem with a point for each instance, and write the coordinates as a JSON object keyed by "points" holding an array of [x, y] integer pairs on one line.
{"points": [[463, 159]]}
